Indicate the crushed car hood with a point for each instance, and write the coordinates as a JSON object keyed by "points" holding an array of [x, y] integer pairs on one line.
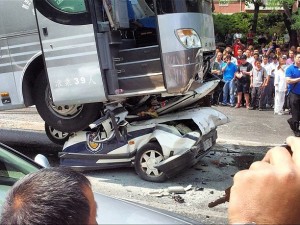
{"points": [[206, 118]]}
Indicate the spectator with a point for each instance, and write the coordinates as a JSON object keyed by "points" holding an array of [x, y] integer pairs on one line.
{"points": [[274, 41], [293, 48], [278, 52], [293, 80], [239, 56], [250, 58], [237, 35], [258, 83], [228, 39], [250, 37], [298, 50], [266, 65], [262, 40], [255, 58], [286, 38], [269, 191], [234, 60], [243, 81], [270, 89], [290, 60], [236, 46], [50, 196], [280, 87], [225, 53], [217, 70], [228, 69]]}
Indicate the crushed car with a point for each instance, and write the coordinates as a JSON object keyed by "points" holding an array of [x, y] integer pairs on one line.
{"points": [[158, 147]]}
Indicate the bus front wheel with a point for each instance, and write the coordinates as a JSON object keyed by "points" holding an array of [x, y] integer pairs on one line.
{"points": [[66, 118]]}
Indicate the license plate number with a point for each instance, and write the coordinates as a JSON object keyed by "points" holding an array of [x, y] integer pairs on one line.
{"points": [[207, 144]]}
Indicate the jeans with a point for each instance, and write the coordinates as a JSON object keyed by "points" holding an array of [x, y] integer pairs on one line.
{"points": [[295, 106], [228, 89], [270, 91], [258, 97]]}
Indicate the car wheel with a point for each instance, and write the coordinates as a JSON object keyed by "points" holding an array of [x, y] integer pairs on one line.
{"points": [[145, 160], [67, 118], [56, 136]]}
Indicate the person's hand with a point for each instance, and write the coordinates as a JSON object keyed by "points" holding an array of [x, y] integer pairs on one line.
{"points": [[269, 192], [238, 75]]}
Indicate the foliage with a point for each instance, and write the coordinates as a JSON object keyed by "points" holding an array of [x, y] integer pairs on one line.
{"points": [[232, 23], [259, 2], [242, 21], [294, 16]]}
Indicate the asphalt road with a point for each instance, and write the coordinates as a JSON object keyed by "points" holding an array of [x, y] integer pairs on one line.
{"points": [[245, 139], [253, 127]]}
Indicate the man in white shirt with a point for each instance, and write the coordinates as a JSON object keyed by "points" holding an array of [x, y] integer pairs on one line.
{"points": [[250, 58], [237, 35]]}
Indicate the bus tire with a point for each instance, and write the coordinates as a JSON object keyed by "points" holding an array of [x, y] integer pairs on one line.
{"points": [[68, 118]]}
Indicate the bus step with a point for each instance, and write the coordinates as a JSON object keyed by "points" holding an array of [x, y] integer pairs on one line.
{"points": [[136, 54], [139, 67]]}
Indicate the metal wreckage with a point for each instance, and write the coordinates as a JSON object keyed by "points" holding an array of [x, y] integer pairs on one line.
{"points": [[158, 135], [141, 84]]}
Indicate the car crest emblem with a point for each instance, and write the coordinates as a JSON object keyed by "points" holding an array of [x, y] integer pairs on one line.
{"points": [[93, 146]]}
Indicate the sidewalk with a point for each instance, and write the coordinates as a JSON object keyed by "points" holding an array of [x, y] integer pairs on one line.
{"points": [[253, 127]]}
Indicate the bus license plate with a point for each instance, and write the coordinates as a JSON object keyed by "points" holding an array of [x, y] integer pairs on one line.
{"points": [[207, 144]]}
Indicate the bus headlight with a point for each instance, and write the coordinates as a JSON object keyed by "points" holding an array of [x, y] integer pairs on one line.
{"points": [[188, 38]]}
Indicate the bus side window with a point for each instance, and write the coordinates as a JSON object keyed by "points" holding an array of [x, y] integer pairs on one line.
{"points": [[69, 6]]}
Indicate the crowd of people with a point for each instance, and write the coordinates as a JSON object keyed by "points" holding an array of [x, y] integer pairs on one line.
{"points": [[254, 76], [259, 77]]}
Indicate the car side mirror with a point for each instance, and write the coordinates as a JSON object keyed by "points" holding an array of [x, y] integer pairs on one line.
{"points": [[42, 160]]}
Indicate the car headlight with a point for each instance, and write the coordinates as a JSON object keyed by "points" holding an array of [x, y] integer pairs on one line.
{"points": [[188, 38]]}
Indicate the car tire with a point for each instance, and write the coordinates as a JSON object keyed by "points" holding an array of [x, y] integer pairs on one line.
{"points": [[56, 136], [68, 118], [145, 168]]}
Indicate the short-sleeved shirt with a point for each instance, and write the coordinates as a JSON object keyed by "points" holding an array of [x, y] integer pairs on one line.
{"points": [[245, 67], [229, 72], [293, 72], [218, 66], [258, 76]]}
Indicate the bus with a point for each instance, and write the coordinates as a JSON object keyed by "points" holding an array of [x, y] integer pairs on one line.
{"points": [[70, 58]]}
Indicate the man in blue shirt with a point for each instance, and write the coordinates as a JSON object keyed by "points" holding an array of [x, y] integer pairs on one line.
{"points": [[228, 69], [293, 79]]}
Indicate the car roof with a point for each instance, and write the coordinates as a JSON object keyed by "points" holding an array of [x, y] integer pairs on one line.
{"points": [[119, 211], [114, 210]]}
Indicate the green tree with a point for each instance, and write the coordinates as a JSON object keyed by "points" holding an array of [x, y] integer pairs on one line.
{"points": [[290, 17], [257, 4]]}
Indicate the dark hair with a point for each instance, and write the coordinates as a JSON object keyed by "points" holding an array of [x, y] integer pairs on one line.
{"points": [[49, 196], [259, 60], [228, 57]]}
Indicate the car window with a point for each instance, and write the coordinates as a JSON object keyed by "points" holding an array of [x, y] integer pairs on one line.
{"points": [[13, 167]]}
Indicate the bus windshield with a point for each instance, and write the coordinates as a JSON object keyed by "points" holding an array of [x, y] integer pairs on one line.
{"points": [[182, 6]]}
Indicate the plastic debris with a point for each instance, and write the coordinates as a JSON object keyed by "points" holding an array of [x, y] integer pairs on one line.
{"points": [[176, 190]]}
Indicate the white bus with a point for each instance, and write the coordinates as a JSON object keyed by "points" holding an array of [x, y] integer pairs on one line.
{"points": [[72, 57]]}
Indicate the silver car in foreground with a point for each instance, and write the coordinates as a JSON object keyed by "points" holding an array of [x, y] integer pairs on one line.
{"points": [[14, 166]]}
